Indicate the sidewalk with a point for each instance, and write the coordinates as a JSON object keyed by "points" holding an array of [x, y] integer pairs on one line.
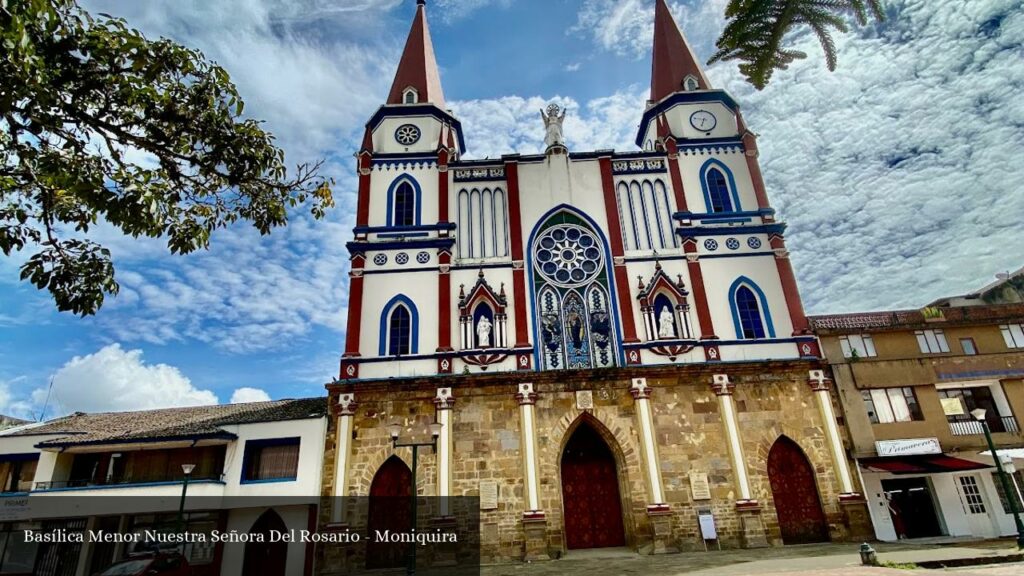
{"points": [[833, 558]]}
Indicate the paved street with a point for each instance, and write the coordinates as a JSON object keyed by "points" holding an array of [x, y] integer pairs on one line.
{"points": [[823, 559]]}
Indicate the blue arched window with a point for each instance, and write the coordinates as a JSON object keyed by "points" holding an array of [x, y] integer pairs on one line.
{"points": [[399, 331], [750, 315], [399, 326], [718, 191], [405, 205], [404, 200]]}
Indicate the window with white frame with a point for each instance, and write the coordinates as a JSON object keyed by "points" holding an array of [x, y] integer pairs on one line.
{"points": [[888, 405], [483, 223], [1013, 335], [646, 215], [859, 345], [932, 341]]}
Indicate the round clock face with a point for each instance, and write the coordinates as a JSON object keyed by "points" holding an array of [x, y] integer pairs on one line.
{"points": [[703, 120], [407, 134]]}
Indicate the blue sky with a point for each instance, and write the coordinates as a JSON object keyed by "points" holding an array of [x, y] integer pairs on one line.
{"points": [[899, 174]]}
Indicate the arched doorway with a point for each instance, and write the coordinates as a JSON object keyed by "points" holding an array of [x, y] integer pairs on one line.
{"points": [[590, 492], [266, 558], [390, 493], [795, 492]]}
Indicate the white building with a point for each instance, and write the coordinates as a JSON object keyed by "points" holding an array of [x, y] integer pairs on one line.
{"points": [[257, 466]]}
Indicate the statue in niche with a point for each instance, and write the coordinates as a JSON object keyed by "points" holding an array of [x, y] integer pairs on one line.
{"points": [[666, 323], [553, 126], [483, 332]]}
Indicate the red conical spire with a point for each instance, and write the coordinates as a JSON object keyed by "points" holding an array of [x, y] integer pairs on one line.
{"points": [[673, 59], [418, 67]]}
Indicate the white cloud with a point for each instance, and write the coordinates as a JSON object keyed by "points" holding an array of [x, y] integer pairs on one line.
{"points": [[246, 394], [574, 67], [114, 379], [626, 27]]}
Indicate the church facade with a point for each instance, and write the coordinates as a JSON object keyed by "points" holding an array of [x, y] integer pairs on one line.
{"points": [[613, 342]]}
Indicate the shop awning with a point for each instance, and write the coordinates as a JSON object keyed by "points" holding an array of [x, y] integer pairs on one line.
{"points": [[923, 464]]}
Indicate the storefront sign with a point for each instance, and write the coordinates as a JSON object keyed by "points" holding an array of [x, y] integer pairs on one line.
{"points": [[908, 447]]}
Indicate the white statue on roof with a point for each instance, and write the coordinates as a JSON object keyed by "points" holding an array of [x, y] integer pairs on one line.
{"points": [[553, 126]]}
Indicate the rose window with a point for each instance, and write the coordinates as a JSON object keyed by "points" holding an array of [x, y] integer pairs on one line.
{"points": [[568, 255], [407, 134]]}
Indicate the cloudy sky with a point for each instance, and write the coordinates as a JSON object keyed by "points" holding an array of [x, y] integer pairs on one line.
{"points": [[899, 174]]}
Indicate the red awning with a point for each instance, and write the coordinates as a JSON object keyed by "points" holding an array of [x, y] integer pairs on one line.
{"points": [[925, 464]]}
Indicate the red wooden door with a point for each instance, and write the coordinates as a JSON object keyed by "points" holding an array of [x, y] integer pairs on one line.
{"points": [[590, 492], [795, 492], [390, 495], [266, 558]]}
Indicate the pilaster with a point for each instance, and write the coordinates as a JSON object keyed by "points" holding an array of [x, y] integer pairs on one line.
{"points": [[534, 520], [443, 403], [658, 511], [344, 412]]}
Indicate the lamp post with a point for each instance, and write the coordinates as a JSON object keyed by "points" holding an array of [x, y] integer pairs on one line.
{"points": [[187, 469], [979, 415], [394, 430]]}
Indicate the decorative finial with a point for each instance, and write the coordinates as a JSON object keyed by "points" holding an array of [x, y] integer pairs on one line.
{"points": [[641, 279], [462, 291], [680, 284], [421, 2], [481, 273]]}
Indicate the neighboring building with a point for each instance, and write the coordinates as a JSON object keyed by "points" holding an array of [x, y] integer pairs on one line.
{"points": [[908, 380], [613, 341], [1007, 289], [270, 452], [10, 422]]}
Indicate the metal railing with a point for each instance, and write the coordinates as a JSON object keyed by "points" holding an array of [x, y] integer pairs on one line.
{"points": [[971, 427], [122, 481]]}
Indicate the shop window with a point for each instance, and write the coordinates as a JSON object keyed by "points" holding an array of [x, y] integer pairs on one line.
{"points": [[888, 405], [271, 460], [1014, 496], [932, 341]]}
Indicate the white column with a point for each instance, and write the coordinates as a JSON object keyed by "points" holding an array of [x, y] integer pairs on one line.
{"points": [[346, 411], [443, 403], [820, 385], [642, 397], [527, 399], [723, 389]]}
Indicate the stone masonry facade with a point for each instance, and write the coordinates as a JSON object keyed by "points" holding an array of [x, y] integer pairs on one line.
{"points": [[771, 399]]}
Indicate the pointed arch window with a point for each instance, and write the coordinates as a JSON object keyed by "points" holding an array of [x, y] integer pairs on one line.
{"points": [[718, 190], [750, 314], [399, 328], [404, 202], [719, 186], [690, 84], [410, 96]]}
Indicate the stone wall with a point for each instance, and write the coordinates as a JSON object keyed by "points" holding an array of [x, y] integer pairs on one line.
{"points": [[772, 399]]}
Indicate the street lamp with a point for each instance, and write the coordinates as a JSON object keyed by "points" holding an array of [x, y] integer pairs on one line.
{"points": [[187, 469], [394, 430], [979, 415]]}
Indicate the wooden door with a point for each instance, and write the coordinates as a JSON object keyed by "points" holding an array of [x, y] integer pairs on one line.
{"points": [[390, 495], [795, 492], [590, 492], [266, 558]]}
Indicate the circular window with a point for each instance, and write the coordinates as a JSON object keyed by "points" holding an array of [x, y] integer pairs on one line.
{"points": [[711, 245], [407, 134], [568, 254], [753, 242], [732, 244], [401, 258], [423, 257], [380, 259]]}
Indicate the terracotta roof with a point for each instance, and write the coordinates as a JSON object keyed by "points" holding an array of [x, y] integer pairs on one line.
{"points": [[171, 423], [418, 67], [673, 58], [908, 319]]}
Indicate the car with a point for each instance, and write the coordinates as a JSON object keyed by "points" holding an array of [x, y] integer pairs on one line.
{"points": [[150, 565]]}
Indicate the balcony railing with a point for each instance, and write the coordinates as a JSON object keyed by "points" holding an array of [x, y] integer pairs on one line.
{"points": [[972, 427], [125, 481]]}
